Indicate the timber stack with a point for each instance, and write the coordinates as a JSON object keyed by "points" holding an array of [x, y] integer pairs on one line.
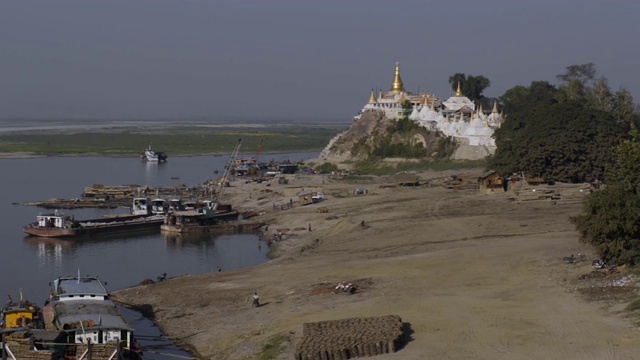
{"points": [[350, 338], [110, 197]]}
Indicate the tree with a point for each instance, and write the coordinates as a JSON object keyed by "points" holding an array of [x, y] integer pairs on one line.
{"points": [[609, 219], [471, 86], [584, 74], [579, 83], [562, 142], [520, 98]]}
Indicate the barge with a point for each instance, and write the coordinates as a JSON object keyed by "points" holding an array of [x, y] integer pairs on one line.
{"points": [[81, 308], [63, 225]]}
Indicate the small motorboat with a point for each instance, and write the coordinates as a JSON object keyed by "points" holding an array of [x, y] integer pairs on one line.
{"points": [[153, 156]]}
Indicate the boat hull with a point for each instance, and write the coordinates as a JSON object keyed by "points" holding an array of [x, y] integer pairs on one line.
{"points": [[51, 232]]}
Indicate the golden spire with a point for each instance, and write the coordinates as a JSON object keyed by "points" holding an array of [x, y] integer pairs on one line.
{"points": [[397, 86], [433, 107], [425, 100], [380, 94], [495, 107], [372, 98], [458, 92]]}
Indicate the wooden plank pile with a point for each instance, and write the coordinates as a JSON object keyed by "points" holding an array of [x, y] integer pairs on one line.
{"points": [[461, 183], [350, 338], [559, 192]]}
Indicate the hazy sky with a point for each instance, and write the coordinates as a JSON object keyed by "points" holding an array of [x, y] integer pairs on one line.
{"points": [[293, 59]]}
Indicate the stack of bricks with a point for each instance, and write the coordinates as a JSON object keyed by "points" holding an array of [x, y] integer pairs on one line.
{"points": [[98, 351], [21, 346], [350, 338]]}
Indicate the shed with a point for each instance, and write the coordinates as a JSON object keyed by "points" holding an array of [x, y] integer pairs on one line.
{"points": [[491, 181], [306, 197]]}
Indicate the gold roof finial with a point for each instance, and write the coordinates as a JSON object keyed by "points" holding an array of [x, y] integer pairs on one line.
{"points": [[372, 98], [397, 86], [458, 92], [380, 94], [495, 107]]}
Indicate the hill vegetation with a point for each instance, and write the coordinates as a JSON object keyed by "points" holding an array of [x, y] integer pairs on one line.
{"points": [[568, 133]]}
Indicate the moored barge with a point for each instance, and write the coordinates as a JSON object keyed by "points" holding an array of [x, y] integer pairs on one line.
{"points": [[62, 225]]}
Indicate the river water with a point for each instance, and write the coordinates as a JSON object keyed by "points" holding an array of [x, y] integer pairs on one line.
{"points": [[28, 264]]}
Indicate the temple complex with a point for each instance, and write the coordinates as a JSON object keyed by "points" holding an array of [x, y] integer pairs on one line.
{"points": [[456, 117]]}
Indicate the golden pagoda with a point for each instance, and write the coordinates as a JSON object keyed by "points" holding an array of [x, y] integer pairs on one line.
{"points": [[372, 98], [397, 86]]}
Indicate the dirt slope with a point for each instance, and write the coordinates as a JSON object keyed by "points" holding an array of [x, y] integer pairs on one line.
{"points": [[473, 276]]}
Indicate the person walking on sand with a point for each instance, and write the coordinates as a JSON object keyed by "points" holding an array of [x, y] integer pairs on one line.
{"points": [[256, 300]]}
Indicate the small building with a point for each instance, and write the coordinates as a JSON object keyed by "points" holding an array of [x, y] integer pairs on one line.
{"points": [[306, 197], [490, 182]]}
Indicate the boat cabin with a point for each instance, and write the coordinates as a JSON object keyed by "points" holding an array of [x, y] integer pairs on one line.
{"points": [[159, 206], [176, 205], [141, 206], [82, 308], [55, 220], [22, 314]]}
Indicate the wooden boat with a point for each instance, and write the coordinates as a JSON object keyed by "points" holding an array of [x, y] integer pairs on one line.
{"points": [[62, 225], [81, 307], [22, 314]]}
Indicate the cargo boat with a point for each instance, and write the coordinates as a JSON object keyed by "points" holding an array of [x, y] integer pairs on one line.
{"points": [[81, 307], [63, 225], [20, 314]]}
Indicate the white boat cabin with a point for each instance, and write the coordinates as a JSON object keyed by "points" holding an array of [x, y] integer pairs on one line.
{"points": [[140, 206], [54, 220], [158, 206]]}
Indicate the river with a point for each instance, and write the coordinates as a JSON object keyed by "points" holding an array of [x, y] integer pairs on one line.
{"points": [[28, 264]]}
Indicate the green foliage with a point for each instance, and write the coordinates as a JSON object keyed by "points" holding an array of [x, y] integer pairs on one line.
{"points": [[579, 83], [471, 86], [326, 168], [274, 346], [404, 125], [562, 142], [446, 148], [633, 305], [172, 140], [520, 98], [610, 217], [406, 110]]}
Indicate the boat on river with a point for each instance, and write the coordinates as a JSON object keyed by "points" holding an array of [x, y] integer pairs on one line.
{"points": [[62, 225], [153, 156], [81, 307], [21, 314]]}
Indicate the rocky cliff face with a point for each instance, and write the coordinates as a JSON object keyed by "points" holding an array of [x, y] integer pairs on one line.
{"points": [[375, 136]]}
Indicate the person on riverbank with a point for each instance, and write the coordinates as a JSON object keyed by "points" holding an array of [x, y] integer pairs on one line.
{"points": [[256, 300]]}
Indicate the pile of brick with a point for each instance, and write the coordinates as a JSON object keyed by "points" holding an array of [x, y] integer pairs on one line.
{"points": [[350, 338], [20, 344]]}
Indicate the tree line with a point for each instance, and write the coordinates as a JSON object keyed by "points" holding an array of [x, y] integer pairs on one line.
{"points": [[577, 131]]}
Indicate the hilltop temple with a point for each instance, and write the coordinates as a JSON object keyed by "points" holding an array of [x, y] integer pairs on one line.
{"points": [[456, 117]]}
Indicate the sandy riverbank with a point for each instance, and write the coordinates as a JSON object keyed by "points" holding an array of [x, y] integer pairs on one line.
{"points": [[472, 276]]}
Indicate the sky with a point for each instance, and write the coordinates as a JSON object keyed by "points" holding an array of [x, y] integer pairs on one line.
{"points": [[298, 59]]}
